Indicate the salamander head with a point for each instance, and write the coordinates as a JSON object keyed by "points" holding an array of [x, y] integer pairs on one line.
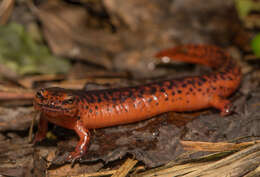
{"points": [[56, 102]]}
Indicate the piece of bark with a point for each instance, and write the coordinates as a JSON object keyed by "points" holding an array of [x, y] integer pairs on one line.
{"points": [[220, 146], [16, 118]]}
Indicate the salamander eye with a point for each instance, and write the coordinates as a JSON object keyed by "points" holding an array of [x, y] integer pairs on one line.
{"points": [[39, 94], [70, 100]]}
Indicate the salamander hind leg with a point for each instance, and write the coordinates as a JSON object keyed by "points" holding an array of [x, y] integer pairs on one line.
{"points": [[82, 145], [221, 104]]}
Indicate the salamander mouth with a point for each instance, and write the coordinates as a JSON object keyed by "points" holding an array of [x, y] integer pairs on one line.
{"points": [[50, 108]]}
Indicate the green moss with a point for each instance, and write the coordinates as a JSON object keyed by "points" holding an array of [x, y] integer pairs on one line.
{"points": [[244, 7], [19, 52], [255, 45]]}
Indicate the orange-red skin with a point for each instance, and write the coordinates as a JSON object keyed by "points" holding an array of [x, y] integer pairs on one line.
{"points": [[82, 110]]}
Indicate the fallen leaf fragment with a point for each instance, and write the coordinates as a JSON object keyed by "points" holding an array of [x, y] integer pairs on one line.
{"points": [[6, 8]]}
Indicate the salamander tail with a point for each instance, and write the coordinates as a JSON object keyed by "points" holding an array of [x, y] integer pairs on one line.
{"points": [[208, 55]]}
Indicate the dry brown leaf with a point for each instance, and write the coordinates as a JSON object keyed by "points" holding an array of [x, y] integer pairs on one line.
{"points": [[65, 32], [6, 8]]}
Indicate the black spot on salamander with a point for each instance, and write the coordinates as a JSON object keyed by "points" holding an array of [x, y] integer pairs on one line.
{"points": [[99, 98], [173, 93], [214, 88], [156, 103], [82, 98], [171, 84], [189, 82], [153, 90], [162, 90], [190, 89], [90, 98], [114, 99], [179, 91], [166, 99], [199, 83], [105, 95], [230, 78], [123, 98], [109, 92], [129, 93], [202, 79], [199, 89], [140, 95], [161, 84], [142, 91], [90, 110], [192, 82], [96, 107], [184, 85]]}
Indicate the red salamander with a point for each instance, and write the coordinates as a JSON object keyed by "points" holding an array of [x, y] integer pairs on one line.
{"points": [[83, 110]]}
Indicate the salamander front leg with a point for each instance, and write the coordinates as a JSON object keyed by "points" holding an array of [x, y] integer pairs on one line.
{"points": [[82, 145], [221, 104], [42, 129]]}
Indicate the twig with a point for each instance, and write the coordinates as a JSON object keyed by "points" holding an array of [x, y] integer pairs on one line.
{"points": [[125, 168], [221, 146]]}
